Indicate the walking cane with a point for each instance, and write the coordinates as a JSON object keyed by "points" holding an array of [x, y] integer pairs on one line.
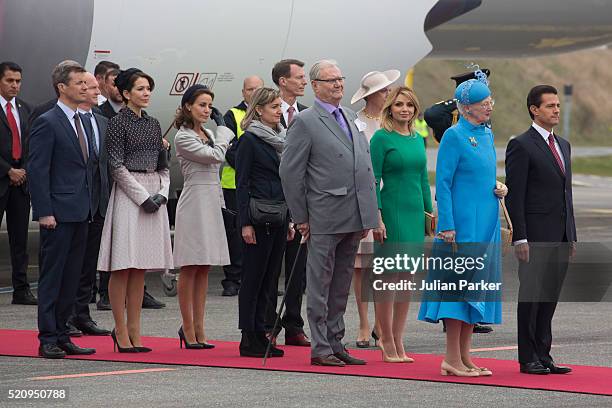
{"points": [[282, 305]]}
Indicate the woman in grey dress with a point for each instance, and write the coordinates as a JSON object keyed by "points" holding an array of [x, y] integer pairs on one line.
{"points": [[199, 235]]}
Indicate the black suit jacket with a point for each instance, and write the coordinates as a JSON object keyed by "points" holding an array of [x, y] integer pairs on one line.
{"points": [[300, 108], [99, 173], [57, 172], [539, 198], [256, 174], [107, 110], [42, 108], [6, 143]]}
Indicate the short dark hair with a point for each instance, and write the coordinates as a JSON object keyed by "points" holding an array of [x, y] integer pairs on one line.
{"points": [[61, 74], [8, 66], [534, 98], [111, 72], [132, 81], [283, 69], [183, 115], [103, 67]]}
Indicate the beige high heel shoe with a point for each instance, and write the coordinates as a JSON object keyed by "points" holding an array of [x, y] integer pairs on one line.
{"points": [[386, 358], [406, 359], [447, 369]]}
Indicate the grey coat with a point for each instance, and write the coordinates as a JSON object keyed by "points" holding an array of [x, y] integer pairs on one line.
{"points": [[327, 179]]}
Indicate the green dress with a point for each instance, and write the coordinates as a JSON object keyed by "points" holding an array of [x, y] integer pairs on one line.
{"points": [[401, 163]]}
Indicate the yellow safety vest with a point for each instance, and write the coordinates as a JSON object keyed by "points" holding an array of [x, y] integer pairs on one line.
{"points": [[228, 174], [420, 126]]}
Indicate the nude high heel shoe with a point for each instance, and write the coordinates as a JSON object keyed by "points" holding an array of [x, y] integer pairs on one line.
{"points": [[386, 358], [447, 369]]}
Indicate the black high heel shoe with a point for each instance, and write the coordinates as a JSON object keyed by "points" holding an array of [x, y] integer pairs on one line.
{"points": [[142, 349], [207, 345], [375, 337], [116, 345], [196, 345]]}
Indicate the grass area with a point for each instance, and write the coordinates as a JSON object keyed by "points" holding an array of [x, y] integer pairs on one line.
{"points": [[595, 165]]}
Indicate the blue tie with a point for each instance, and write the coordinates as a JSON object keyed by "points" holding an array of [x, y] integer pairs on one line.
{"points": [[342, 122]]}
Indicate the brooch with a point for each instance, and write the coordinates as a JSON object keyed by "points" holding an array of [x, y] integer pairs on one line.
{"points": [[473, 141]]}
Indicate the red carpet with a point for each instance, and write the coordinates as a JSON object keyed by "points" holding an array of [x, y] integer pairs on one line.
{"points": [[584, 379]]}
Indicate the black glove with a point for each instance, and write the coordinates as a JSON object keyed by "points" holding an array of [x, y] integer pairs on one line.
{"points": [[149, 205], [159, 200], [217, 117]]}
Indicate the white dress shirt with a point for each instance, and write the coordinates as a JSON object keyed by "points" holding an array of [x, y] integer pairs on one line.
{"points": [[14, 110], [70, 115], [94, 125], [285, 107]]}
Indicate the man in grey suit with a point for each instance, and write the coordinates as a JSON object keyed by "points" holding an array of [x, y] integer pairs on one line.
{"points": [[328, 183]]}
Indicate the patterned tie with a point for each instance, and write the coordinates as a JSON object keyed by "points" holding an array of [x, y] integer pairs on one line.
{"points": [[16, 150], [89, 131], [342, 122], [553, 149], [81, 136], [290, 113]]}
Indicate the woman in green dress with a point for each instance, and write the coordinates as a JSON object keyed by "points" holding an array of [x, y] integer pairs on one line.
{"points": [[400, 162]]}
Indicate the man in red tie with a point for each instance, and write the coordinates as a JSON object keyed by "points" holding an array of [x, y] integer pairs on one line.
{"points": [[14, 197], [539, 201]]}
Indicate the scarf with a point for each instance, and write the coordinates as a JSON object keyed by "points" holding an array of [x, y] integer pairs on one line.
{"points": [[269, 136]]}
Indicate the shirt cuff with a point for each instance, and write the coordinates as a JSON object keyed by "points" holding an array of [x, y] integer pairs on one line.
{"points": [[520, 241]]}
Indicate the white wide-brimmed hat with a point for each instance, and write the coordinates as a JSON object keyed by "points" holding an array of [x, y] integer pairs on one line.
{"points": [[373, 82]]}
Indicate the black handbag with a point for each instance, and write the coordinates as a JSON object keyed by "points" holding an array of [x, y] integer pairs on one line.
{"points": [[231, 152], [268, 213]]}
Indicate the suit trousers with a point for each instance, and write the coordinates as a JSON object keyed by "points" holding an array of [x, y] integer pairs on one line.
{"points": [[291, 320], [329, 271], [261, 263], [61, 260], [16, 203], [89, 270], [234, 242], [541, 281]]}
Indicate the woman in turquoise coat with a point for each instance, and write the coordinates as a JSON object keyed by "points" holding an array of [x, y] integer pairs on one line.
{"points": [[468, 210], [399, 161]]}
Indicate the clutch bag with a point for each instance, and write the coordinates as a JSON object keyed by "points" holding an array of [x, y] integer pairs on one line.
{"points": [[431, 222], [506, 232]]}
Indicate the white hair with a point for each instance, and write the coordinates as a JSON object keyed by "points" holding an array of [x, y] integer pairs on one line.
{"points": [[319, 65]]}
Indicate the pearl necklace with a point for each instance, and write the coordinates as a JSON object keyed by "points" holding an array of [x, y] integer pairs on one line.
{"points": [[370, 116]]}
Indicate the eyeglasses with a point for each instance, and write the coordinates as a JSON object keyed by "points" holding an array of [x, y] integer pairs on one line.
{"points": [[332, 80], [488, 105]]}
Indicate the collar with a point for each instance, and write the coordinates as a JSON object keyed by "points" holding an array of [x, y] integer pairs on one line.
{"points": [[4, 102], [463, 122], [285, 106], [132, 115], [83, 111], [67, 111], [329, 108], [543, 132]]}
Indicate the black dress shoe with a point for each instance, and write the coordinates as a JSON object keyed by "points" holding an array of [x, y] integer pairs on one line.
{"points": [[482, 329], [24, 297], [50, 351], [534, 367], [329, 361], [93, 298], [104, 302], [72, 349], [149, 302], [555, 369], [91, 329], [348, 359], [230, 291], [73, 331]]}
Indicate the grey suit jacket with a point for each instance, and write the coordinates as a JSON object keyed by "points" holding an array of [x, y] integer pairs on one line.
{"points": [[327, 179]]}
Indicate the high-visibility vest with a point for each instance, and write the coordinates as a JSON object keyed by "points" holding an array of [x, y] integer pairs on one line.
{"points": [[228, 174], [420, 126]]}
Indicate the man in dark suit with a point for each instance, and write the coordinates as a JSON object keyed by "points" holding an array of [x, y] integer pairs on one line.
{"points": [[61, 202], [114, 101], [94, 126], [539, 180], [290, 78], [14, 197]]}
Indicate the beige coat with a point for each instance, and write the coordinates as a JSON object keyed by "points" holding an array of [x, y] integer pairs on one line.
{"points": [[199, 235]]}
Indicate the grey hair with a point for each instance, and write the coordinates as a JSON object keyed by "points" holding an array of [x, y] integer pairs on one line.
{"points": [[462, 109], [61, 73], [319, 65]]}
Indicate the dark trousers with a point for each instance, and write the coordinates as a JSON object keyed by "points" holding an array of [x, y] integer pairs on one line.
{"points": [[16, 203], [541, 281], [262, 262], [61, 260], [292, 320], [88, 271], [233, 233]]}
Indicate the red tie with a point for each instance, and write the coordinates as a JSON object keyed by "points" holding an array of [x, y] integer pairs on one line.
{"points": [[553, 149], [290, 112], [15, 131]]}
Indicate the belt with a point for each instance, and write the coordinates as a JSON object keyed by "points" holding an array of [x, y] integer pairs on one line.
{"points": [[142, 171]]}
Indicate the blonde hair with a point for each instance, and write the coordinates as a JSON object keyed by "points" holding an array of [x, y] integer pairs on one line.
{"points": [[386, 121], [261, 97]]}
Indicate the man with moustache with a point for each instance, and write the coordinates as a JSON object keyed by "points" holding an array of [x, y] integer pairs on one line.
{"points": [[290, 78], [327, 178], [61, 203], [14, 197], [94, 126], [540, 204]]}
